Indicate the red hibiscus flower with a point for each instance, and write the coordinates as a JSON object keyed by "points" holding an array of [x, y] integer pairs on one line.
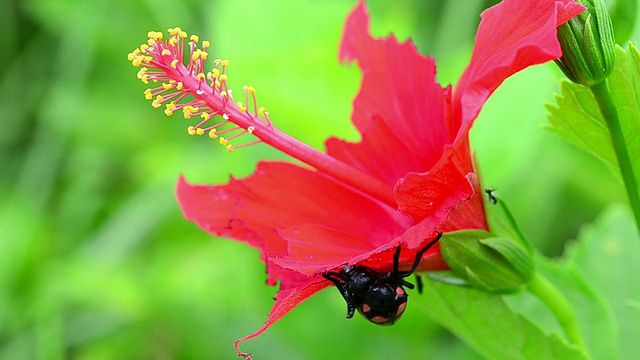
{"points": [[410, 176]]}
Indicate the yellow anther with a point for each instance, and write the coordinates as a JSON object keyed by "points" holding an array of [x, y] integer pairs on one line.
{"points": [[157, 102], [182, 34], [223, 93], [205, 116], [142, 75], [191, 130], [241, 107], [134, 54], [194, 38], [179, 86], [156, 35], [147, 94], [215, 73], [250, 129], [204, 55], [223, 141], [175, 31], [189, 110], [250, 89], [206, 43], [144, 48], [230, 148], [199, 54], [174, 63], [225, 62], [173, 41], [261, 110], [167, 86], [201, 76], [137, 61], [217, 61], [223, 77], [212, 133], [165, 52], [169, 108]]}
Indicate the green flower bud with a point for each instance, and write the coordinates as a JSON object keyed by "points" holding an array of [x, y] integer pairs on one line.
{"points": [[588, 46], [492, 264]]}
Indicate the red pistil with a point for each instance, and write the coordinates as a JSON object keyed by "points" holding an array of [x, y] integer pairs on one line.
{"points": [[213, 98]]}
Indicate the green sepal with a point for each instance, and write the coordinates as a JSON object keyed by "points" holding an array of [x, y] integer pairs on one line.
{"points": [[501, 222], [588, 45], [488, 263]]}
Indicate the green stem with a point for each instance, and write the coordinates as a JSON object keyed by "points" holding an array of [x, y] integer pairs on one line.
{"points": [[562, 310], [610, 114]]}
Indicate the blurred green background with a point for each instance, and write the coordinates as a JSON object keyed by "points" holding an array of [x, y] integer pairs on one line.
{"points": [[96, 260]]}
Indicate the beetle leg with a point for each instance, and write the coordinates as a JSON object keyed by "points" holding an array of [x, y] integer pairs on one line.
{"points": [[337, 281], [419, 283], [396, 260], [416, 261]]}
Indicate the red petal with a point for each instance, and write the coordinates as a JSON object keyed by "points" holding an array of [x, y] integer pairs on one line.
{"points": [[309, 253], [400, 110], [282, 195], [513, 35], [423, 195], [469, 214], [286, 300]]}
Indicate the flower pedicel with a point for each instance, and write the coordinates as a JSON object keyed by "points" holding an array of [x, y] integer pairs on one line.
{"points": [[376, 204]]}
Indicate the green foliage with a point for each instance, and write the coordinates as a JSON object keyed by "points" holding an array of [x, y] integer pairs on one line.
{"points": [[597, 276], [486, 323], [606, 256], [576, 115]]}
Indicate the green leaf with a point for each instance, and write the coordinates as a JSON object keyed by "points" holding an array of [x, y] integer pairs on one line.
{"points": [[594, 316], [486, 323], [598, 276], [576, 115], [608, 255]]}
